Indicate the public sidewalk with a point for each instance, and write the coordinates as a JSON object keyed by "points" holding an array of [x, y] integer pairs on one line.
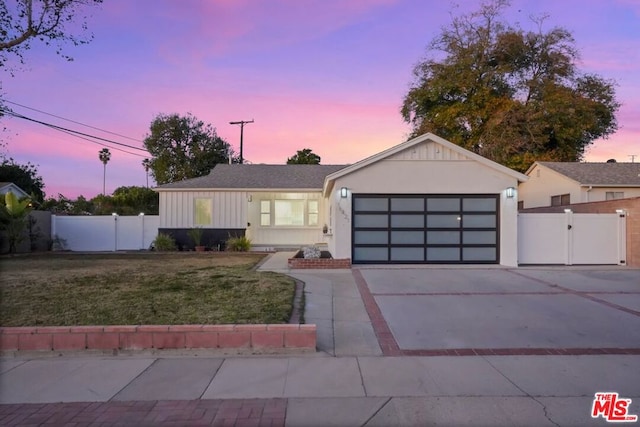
{"points": [[345, 383]]}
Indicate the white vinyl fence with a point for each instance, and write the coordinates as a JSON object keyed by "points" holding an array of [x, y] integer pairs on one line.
{"points": [[569, 238], [105, 233]]}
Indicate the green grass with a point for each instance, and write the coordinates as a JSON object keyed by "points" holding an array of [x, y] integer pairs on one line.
{"points": [[141, 289]]}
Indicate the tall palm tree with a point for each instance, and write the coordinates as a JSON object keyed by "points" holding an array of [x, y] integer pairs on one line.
{"points": [[104, 155], [146, 163]]}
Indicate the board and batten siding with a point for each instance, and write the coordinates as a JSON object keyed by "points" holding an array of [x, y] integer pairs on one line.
{"points": [[229, 208]]}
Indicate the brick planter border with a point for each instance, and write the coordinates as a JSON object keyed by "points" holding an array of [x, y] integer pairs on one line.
{"points": [[143, 337], [319, 263]]}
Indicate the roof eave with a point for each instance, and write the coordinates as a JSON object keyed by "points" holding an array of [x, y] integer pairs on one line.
{"points": [[261, 189]]}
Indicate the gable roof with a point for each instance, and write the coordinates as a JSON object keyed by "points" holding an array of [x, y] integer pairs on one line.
{"points": [[597, 174], [413, 142], [224, 176]]}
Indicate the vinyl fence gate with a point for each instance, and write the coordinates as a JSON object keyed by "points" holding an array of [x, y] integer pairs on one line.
{"points": [[569, 238]]}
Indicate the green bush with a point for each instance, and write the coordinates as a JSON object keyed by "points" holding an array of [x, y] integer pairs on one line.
{"points": [[238, 244], [164, 243]]}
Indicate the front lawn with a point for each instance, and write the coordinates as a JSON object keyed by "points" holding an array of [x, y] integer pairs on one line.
{"points": [[141, 289]]}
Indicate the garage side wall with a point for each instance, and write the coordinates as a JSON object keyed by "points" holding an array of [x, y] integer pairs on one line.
{"points": [[423, 177]]}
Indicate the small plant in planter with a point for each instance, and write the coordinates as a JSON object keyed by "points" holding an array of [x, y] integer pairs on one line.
{"points": [[196, 235]]}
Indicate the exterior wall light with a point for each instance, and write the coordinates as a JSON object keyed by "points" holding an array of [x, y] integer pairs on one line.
{"points": [[343, 192], [511, 192]]}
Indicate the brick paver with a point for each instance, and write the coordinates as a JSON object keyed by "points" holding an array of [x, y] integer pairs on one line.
{"points": [[231, 413]]}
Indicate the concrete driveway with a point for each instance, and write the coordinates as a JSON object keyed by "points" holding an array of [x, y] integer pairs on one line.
{"points": [[423, 310]]}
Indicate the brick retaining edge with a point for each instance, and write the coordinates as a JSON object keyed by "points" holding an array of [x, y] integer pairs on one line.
{"points": [[319, 263], [143, 337]]}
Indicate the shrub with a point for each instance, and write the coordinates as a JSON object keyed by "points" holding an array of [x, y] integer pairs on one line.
{"points": [[238, 244], [164, 242]]}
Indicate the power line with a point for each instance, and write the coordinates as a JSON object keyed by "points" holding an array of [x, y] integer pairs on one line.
{"points": [[72, 121], [66, 130]]}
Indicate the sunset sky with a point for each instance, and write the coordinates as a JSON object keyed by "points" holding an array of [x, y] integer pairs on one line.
{"points": [[329, 75]]}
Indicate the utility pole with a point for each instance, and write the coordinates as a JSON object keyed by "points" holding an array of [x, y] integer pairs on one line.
{"points": [[633, 157], [241, 123]]}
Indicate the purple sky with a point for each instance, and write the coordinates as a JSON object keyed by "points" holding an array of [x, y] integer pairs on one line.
{"points": [[329, 75]]}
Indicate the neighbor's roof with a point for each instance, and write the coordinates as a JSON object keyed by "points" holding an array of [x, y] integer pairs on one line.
{"points": [[598, 174], [259, 177]]}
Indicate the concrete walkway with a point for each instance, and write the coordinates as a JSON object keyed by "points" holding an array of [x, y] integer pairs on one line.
{"points": [[346, 383]]}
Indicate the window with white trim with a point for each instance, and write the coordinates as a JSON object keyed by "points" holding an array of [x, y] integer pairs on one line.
{"points": [[614, 195], [265, 213], [312, 212], [561, 200], [289, 212], [202, 212]]}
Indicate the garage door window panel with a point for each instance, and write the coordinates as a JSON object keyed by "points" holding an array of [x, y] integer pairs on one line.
{"points": [[479, 205], [371, 204], [443, 237], [371, 254], [407, 237], [443, 254], [478, 254], [479, 238], [407, 221], [479, 221], [407, 204], [407, 254], [371, 221], [371, 238], [443, 205], [443, 221]]}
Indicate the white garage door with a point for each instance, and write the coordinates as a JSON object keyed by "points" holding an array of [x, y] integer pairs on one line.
{"points": [[439, 229]]}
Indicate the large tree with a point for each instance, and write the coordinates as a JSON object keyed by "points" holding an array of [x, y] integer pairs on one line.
{"points": [[24, 176], [53, 22], [304, 157], [511, 95], [183, 147]]}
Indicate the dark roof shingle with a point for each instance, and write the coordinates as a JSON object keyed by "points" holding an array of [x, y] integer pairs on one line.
{"points": [[259, 176], [600, 174]]}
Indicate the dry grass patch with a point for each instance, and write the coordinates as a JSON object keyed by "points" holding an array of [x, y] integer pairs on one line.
{"points": [[141, 289]]}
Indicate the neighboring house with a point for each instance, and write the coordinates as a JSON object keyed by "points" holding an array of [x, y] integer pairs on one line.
{"points": [[565, 183], [6, 187], [424, 201]]}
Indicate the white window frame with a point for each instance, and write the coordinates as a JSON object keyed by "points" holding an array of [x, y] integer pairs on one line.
{"points": [[265, 213], [313, 213]]}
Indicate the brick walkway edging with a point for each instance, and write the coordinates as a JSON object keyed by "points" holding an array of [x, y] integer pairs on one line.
{"points": [[143, 337]]}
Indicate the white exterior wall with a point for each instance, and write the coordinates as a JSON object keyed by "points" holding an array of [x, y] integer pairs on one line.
{"points": [[599, 194], [424, 177], [544, 183], [229, 208], [285, 236]]}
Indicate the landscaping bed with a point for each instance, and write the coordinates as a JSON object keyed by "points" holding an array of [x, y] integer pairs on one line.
{"points": [[211, 288]]}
